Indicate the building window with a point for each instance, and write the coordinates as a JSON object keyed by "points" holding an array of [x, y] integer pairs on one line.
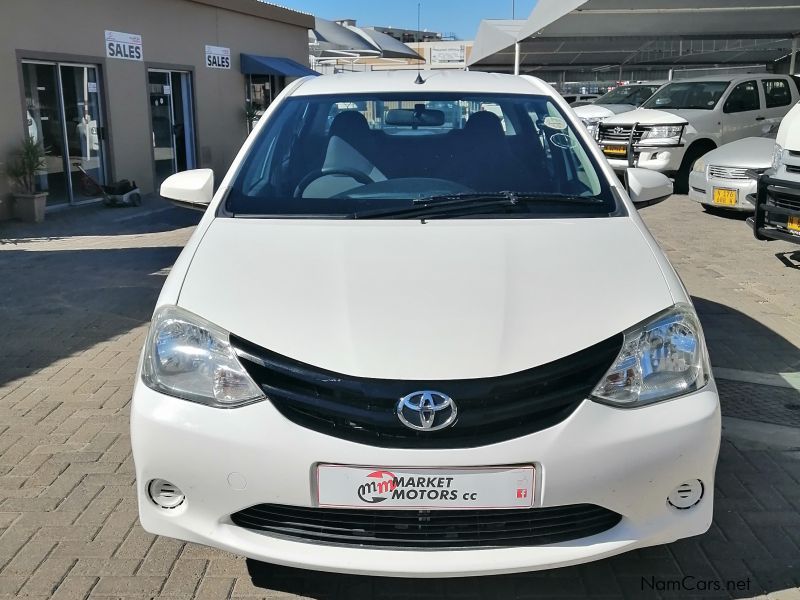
{"points": [[260, 91]]}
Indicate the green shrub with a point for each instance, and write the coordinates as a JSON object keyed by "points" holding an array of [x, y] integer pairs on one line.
{"points": [[24, 164]]}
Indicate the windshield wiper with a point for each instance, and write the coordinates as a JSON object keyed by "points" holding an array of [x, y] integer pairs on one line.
{"points": [[470, 203]]}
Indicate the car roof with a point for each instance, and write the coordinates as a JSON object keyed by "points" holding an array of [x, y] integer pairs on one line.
{"points": [[435, 81], [727, 77]]}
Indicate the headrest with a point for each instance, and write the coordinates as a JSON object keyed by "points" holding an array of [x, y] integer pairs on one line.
{"points": [[349, 123], [484, 123]]}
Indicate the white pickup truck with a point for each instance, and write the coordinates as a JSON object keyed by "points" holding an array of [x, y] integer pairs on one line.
{"points": [[619, 100], [777, 215], [687, 118]]}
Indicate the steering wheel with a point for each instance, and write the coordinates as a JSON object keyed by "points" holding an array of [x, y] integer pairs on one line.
{"points": [[359, 176]]}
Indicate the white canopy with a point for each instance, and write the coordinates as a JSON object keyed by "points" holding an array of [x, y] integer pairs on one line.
{"points": [[655, 32], [329, 39]]}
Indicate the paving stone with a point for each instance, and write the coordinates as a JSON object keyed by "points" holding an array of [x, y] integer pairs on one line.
{"points": [[214, 588], [121, 586], [74, 587]]}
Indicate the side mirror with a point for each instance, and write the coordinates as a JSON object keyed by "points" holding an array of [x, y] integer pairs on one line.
{"points": [[646, 187], [191, 189]]}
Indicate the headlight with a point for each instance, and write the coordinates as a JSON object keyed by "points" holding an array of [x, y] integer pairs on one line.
{"points": [[188, 357], [777, 157], [660, 359], [699, 166], [663, 134], [592, 125]]}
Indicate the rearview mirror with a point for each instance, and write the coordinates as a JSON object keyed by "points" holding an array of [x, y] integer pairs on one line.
{"points": [[190, 189], [646, 187], [408, 117]]}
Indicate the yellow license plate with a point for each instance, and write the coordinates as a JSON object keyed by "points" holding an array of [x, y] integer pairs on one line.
{"points": [[725, 197], [793, 223], [616, 150]]}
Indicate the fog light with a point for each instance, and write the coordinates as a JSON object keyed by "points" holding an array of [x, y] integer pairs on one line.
{"points": [[165, 494], [687, 494]]}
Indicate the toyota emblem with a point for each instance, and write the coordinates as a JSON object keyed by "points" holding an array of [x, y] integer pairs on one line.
{"points": [[426, 410], [618, 130]]}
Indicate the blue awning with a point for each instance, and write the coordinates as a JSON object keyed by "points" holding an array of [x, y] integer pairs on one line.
{"points": [[252, 64]]}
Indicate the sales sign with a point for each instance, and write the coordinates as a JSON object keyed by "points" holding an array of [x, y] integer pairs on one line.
{"points": [[127, 46], [218, 57]]}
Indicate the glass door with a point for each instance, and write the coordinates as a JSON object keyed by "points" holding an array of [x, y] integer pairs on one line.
{"points": [[83, 125], [63, 114], [44, 124], [172, 120], [183, 117], [161, 120]]}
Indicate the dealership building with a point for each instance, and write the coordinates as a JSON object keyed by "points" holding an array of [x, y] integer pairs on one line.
{"points": [[139, 90]]}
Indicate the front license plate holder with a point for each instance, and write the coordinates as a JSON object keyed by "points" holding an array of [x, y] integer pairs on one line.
{"points": [[425, 488], [616, 150], [725, 196]]}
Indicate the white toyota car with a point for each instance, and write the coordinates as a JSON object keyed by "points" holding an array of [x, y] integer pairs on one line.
{"points": [[405, 346]]}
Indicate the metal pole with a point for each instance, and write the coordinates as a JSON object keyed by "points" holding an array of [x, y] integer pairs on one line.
{"points": [[516, 58], [793, 58]]}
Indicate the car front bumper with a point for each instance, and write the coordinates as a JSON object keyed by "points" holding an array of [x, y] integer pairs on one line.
{"points": [[667, 160], [224, 461], [701, 189]]}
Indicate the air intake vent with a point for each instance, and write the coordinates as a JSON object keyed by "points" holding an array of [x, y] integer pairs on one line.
{"points": [[434, 529]]}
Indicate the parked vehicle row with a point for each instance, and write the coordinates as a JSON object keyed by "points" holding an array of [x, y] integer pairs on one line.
{"points": [[686, 119], [717, 137]]}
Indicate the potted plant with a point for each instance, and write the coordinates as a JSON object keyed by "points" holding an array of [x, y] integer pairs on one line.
{"points": [[251, 115], [22, 168]]}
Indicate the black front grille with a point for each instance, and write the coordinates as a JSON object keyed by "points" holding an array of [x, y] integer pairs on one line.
{"points": [[490, 409], [415, 529], [784, 201]]}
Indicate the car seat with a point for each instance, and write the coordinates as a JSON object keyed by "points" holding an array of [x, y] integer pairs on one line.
{"points": [[350, 143]]}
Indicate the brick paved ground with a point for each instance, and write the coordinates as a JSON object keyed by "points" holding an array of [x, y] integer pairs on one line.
{"points": [[75, 297]]}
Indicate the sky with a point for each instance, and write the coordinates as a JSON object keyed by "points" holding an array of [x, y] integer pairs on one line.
{"points": [[457, 16]]}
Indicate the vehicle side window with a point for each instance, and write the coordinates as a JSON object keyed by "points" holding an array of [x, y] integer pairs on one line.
{"points": [[776, 92], [743, 97]]}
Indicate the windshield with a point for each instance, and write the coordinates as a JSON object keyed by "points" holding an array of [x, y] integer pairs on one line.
{"points": [[696, 94], [628, 94], [343, 156]]}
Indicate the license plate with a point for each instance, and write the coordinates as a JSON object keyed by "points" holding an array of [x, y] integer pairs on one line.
{"points": [[793, 224], [615, 150], [425, 488], [725, 197]]}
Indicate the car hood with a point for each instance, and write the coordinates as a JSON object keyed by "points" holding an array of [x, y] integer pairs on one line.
{"points": [[594, 111], [789, 131], [751, 153], [649, 116], [447, 299]]}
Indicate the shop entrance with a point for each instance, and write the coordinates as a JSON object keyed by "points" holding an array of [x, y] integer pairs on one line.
{"points": [[64, 115], [172, 118]]}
